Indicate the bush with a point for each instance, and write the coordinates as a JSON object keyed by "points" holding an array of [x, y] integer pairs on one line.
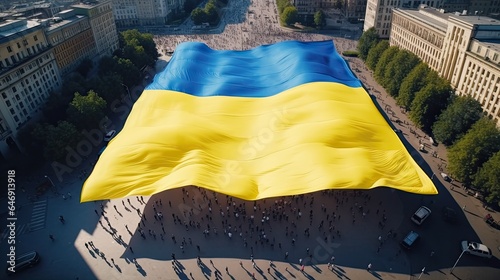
{"points": [[350, 53]]}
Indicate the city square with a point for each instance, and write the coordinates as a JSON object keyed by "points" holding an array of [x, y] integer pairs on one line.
{"points": [[193, 233]]}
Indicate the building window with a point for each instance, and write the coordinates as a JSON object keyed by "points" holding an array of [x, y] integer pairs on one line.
{"points": [[8, 103], [14, 89], [35, 38], [478, 49], [16, 118], [9, 48]]}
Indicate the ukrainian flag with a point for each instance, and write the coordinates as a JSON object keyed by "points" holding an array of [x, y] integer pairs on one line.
{"points": [[282, 119]]}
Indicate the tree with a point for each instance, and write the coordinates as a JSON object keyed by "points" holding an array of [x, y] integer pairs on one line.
{"points": [[282, 4], [58, 138], [338, 4], [131, 75], [382, 63], [85, 111], [319, 19], [211, 12], [74, 82], [198, 16], [30, 142], [399, 67], [139, 46], [110, 87], [487, 179], [455, 120], [289, 15], [368, 40], [468, 154], [411, 84], [107, 65], [428, 104], [54, 109], [84, 67], [375, 53], [190, 5]]}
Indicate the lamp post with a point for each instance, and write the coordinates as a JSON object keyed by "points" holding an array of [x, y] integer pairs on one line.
{"points": [[128, 91], [423, 270], [52, 183], [463, 251]]}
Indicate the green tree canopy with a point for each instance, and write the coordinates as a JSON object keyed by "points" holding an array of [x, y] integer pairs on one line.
{"points": [[30, 142], [368, 40], [289, 15], [144, 46], [211, 12], [54, 109], [338, 4], [399, 67], [57, 138], [198, 16], [107, 64], [428, 104], [84, 67], [130, 74], [382, 63], [375, 53], [411, 84], [86, 111], [319, 19], [487, 179], [109, 87], [456, 119], [282, 4], [190, 5], [468, 154]]}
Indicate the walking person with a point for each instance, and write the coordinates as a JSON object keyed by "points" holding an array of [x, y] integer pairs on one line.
{"points": [[369, 268]]}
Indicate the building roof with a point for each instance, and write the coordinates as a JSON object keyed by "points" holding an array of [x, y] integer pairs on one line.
{"points": [[16, 28], [57, 25], [431, 17], [476, 20]]}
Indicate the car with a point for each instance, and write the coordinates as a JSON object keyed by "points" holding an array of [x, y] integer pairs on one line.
{"points": [[477, 249], [421, 215], [446, 177], [109, 135], [23, 262], [410, 240], [449, 215]]}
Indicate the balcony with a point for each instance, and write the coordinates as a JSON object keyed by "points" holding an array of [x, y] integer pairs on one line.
{"points": [[25, 59]]}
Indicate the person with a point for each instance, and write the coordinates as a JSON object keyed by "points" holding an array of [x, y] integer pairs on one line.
{"points": [[369, 267], [52, 238], [61, 218]]}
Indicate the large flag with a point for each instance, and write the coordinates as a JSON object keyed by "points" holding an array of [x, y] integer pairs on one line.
{"points": [[282, 119]]}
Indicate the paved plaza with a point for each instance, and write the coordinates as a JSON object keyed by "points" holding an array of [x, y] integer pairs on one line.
{"points": [[323, 235]]}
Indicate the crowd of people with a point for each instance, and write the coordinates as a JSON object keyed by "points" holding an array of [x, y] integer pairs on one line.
{"points": [[244, 28]]}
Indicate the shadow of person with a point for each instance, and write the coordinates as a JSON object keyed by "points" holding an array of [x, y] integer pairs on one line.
{"points": [[118, 268], [376, 274]]}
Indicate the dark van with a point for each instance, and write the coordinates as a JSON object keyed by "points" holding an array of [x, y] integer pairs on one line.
{"points": [[23, 262]]}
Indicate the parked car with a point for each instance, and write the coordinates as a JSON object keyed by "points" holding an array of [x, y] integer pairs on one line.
{"points": [[110, 135], [477, 249], [449, 215], [445, 177], [421, 215], [23, 262], [410, 240]]}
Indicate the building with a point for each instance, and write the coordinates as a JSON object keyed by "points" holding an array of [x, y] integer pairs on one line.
{"points": [[378, 13], [71, 37], [355, 9], [145, 13], [102, 24], [490, 8], [28, 75], [307, 8], [463, 49]]}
